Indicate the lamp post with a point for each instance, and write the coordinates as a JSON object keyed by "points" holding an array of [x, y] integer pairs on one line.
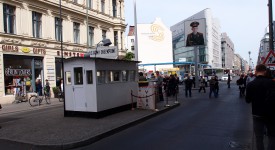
{"points": [[249, 52], [271, 44], [62, 62]]}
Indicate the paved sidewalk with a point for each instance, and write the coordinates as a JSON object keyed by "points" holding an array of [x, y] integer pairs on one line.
{"points": [[49, 129]]}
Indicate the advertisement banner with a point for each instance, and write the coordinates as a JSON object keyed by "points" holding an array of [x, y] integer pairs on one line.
{"points": [[195, 31]]}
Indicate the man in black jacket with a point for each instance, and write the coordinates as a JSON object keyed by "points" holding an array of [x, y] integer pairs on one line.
{"points": [[256, 94]]}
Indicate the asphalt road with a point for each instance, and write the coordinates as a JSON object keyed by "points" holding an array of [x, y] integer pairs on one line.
{"points": [[200, 123]]}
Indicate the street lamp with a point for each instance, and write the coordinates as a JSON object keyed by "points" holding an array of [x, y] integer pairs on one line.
{"points": [[62, 62], [270, 16], [249, 52]]}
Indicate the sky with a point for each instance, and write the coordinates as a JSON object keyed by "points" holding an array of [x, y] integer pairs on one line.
{"points": [[244, 21]]}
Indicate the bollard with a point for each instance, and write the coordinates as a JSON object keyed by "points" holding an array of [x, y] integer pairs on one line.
{"points": [[167, 105], [176, 102], [155, 102]]}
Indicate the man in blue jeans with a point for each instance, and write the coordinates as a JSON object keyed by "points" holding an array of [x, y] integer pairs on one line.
{"points": [[263, 116]]}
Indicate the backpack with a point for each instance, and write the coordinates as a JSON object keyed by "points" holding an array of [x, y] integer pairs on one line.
{"points": [[270, 103]]}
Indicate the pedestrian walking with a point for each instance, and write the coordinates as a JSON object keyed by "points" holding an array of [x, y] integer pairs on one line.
{"points": [[250, 78], [228, 80], [217, 86], [172, 84], [188, 86], [159, 85], [263, 107], [202, 84], [212, 83], [241, 84], [38, 87]]}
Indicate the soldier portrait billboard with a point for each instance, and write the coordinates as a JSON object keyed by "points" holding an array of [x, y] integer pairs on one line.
{"points": [[195, 31]]}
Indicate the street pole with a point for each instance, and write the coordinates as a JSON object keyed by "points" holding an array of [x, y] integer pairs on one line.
{"points": [[196, 48], [271, 44], [136, 36], [87, 18], [62, 62], [249, 60]]}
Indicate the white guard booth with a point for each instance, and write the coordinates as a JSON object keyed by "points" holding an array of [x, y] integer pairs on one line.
{"points": [[96, 87]]}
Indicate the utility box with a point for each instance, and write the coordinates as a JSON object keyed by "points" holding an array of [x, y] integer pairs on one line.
{"points": [[96, 87]]}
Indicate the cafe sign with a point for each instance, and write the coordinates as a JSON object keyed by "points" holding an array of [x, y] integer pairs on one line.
{"points": [[17, 72]]}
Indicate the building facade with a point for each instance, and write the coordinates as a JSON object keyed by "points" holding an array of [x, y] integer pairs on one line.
{"points": [[227, 47], [264, 47], [30, 38], [154, 45], [237, 64], [130, 40], [209, 53]]}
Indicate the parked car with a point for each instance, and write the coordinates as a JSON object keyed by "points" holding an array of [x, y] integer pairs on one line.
{"points": [[225, 77]]}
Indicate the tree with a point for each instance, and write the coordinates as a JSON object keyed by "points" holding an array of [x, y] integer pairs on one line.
{"points": [[129, 56]]}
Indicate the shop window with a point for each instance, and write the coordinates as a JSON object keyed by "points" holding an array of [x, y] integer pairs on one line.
{"points": [[18, 75], [9, 19], [68, 78], [101, 77], [132, 75], [125, 75], [78, 76], [114, 76], [89, 74]]}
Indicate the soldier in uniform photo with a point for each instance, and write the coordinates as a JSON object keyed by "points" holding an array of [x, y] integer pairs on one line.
{"points": [[195, 38]]}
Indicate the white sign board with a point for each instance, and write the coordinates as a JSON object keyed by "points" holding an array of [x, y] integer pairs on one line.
{"points": [[109, 52], [182, 59], [144, 102]]}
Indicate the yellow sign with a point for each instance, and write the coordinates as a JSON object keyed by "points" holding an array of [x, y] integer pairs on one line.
{"points": [[25, 49], [159, 33]]}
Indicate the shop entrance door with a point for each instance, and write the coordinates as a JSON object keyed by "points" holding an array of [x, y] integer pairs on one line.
{"points": [[78, 86]]}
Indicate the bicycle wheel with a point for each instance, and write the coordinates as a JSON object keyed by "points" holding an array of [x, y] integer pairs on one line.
{"points": [[48, 99], [60, 97], [34, 100]]}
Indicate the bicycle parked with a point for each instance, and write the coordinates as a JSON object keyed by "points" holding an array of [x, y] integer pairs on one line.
{"points": [[61, 96], [36, 100]]}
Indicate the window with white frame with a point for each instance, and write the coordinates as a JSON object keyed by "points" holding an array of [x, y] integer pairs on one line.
{"points": [[9, 19], [101, 75], [114, 76], [104, 34], [36, 24], [76, 27], [90, 4], [132, 75], [58, 28], [114, 8], [91, 36], [115, 38], [125, 75], [103, 6]]}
